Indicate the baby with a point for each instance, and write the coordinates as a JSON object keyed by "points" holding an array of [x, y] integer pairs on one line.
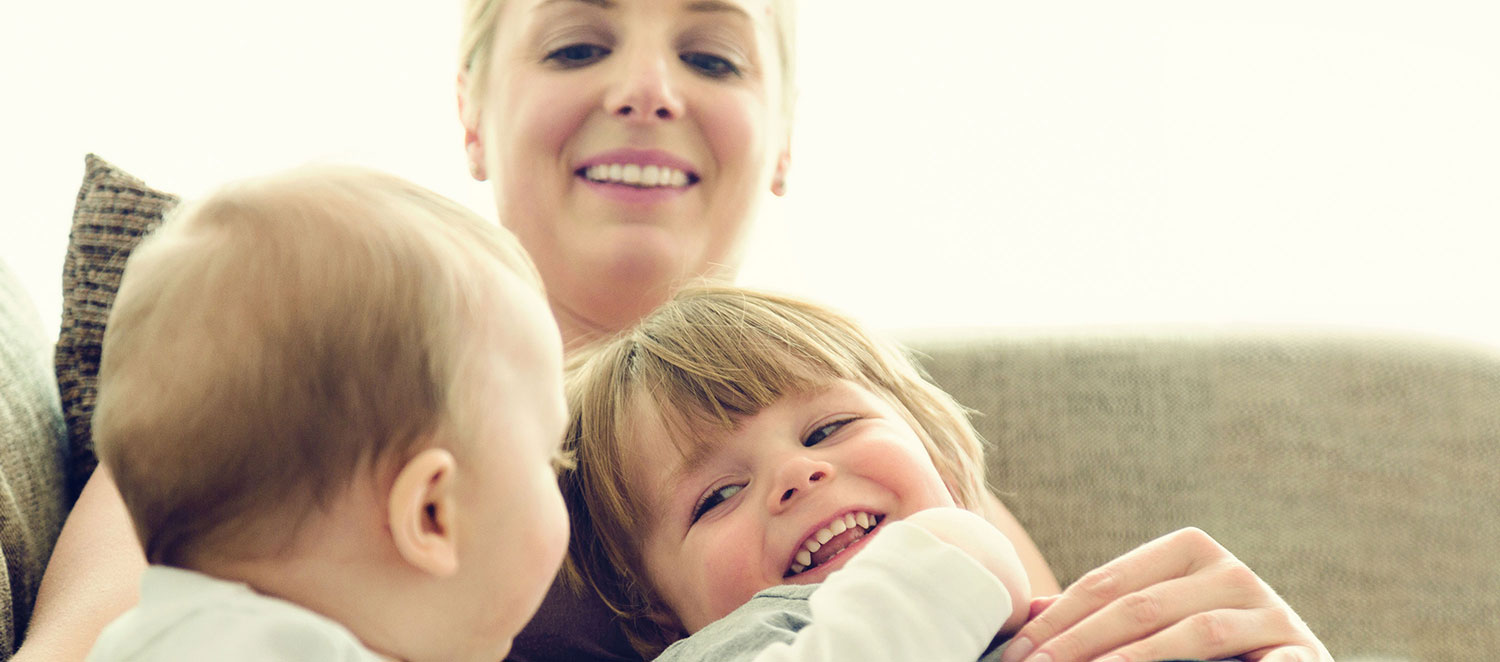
{"points": [[332, 401], [760, 476]]}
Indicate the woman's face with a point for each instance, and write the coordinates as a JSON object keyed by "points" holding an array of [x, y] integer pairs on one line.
{"points": [[628, 142]]}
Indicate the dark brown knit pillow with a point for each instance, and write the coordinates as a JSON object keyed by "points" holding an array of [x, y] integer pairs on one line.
{"points": [[114, 211]]}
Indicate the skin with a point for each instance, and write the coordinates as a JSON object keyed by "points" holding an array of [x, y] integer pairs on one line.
{"points": [[730, 524]]}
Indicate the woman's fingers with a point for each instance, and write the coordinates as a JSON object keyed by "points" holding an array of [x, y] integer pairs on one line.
{"points": [[1179, 596], [1221, 633], [1154, 611], [1175, 555], [1292, 654]]}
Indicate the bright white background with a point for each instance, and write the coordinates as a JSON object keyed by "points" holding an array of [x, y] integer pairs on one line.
{"points": [[1306, 163]]}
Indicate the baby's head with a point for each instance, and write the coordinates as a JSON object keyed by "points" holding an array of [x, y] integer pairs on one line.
{"points": [[337, 362], [735, 441]]}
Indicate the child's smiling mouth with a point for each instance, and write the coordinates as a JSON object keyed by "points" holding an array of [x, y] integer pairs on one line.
{"points": [[831, 540]]}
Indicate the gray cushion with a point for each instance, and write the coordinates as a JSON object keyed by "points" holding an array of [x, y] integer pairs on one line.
{"points": [[32, 445], [1360, 476], [114, 211]]}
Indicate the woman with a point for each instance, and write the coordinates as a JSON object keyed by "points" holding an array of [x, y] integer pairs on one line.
{"points": [[628, 143]]}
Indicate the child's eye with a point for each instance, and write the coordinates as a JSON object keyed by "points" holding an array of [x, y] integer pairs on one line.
{"points": [[825, 431], [713, 499], [709, 65], [573, 56]]}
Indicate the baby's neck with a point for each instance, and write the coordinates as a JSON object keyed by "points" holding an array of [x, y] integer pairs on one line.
{"points": [[341, 566]]}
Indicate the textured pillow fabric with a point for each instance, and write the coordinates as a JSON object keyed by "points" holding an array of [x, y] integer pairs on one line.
{"points": [[114, 211], [1358, 475], [32, 445]]}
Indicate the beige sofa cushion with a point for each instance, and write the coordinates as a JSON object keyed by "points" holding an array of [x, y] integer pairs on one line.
{"points": [[1360, 476]]}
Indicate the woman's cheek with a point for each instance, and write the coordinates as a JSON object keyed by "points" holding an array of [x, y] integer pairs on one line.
{"points": [[736, 126]]}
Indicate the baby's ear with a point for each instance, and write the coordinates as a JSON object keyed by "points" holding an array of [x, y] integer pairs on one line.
{"points": [[423, 513]]}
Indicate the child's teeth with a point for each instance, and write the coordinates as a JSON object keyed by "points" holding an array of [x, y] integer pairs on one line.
{"points": [[648, 175], [838, 527], [812, 545], [616, 172], [823, 535], [863, 520], [798, 568], [679, 178], [804, 557], [630, 174], [849, 521]]}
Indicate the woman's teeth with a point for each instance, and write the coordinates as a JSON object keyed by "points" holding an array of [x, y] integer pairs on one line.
{"points": [[815, 542], [632, 174]]}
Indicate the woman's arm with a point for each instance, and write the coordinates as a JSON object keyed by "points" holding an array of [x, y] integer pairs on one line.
{"points": [[1043, 582], [1179, 596], [93, 576]]}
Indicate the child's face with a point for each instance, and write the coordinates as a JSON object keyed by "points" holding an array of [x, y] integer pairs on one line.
{"points": [[741, 520], [512, 545]]}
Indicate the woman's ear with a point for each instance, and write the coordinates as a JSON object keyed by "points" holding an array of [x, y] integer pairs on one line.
{"points": [[783, 163], [468, 115], [423, 513]]}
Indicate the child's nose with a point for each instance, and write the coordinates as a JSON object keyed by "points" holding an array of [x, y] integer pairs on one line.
{"points": [[795, 477], [791, 492]]}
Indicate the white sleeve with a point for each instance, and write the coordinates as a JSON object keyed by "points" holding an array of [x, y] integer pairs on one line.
{"points": [[908, 596]]}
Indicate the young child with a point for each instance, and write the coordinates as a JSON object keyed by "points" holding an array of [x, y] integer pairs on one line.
{"points": [[332, 401], [736, 449]]}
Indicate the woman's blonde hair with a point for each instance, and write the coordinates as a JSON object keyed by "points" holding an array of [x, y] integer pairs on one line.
{"points": [[713, 356], [481, 22]]}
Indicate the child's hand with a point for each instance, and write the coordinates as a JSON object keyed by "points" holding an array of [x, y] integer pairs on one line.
{"points": [[981, 540]]}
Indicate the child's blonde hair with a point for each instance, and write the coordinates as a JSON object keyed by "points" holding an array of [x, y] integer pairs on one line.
{"points": [[274, 339], [714, 356], [481, 22]]}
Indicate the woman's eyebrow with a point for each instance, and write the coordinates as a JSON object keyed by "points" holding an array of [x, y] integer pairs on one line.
{"points": [[710, 6], [602, 4]]}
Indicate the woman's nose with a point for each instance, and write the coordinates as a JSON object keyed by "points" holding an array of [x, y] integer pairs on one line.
{"points": [[795, 478], [646, 91]]}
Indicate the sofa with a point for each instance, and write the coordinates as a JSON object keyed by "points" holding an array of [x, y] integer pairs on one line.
{"points": [[1359, 474]]}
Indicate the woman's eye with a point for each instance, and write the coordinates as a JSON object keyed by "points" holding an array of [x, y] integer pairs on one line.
{"points": [[577, 55], [713, 499], [712, 66], [825, 431]]}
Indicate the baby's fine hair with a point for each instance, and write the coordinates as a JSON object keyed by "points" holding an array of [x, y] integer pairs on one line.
{"points": [[714, 356], [274, 339]]}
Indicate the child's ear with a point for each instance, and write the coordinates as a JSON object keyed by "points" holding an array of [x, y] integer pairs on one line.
{"points": [[423, 512]]}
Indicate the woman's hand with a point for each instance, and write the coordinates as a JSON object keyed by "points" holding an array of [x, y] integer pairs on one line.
{"points": [[1179, 596]]}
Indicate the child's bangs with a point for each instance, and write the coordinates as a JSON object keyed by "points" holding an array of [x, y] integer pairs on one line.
{"points": [[714, 361]]}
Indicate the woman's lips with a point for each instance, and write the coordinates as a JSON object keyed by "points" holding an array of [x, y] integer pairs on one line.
{"points": [[635, 195]]}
